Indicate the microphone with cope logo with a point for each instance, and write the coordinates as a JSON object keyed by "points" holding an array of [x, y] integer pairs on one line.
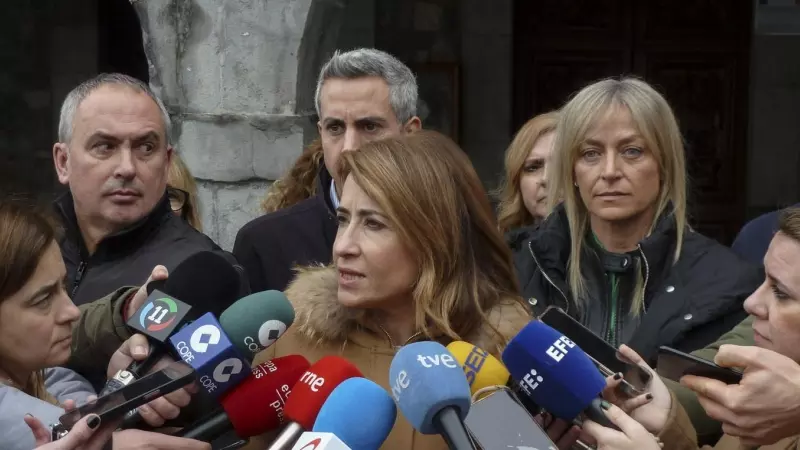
{"points": [[220, 361], [245, 324], [432, 392], [555, 373], [308, 396], [256, 405], [204, 346], [356, 401]]}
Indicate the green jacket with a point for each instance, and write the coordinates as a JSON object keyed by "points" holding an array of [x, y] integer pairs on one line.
{"points": [[98, 333], [708, 429]]}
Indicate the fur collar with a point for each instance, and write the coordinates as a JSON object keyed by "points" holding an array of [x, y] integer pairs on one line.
{"points": [[320, 319]]}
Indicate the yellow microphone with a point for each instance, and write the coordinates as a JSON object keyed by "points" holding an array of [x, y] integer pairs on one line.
{"points": [[481, 368]]}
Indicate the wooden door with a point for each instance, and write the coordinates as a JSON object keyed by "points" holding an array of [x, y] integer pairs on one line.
{"points": [[696, 52]]}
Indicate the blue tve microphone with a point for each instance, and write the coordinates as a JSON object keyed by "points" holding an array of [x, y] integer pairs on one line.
{"points": [[431, 390], [358, 401], [555, 373], [204, 346]]}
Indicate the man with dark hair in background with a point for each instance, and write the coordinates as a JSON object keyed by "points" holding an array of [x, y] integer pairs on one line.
{"points": [[362, 95]]}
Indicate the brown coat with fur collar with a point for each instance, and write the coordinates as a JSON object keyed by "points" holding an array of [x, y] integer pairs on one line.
{"points": [[323, 327]]}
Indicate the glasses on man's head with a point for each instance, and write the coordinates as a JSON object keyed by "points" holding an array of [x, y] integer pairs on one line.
{"points": [[177, 198]]}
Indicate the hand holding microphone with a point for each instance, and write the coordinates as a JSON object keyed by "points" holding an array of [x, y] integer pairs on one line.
{"points": [[651, 409], [633, 435], [90, 434], [556, 373]]}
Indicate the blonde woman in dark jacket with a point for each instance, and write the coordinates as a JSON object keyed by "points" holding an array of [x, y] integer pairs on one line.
{"points": [[618, 253]]}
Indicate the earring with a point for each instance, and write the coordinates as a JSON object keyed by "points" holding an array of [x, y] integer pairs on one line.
{"points": [[575, 184]]}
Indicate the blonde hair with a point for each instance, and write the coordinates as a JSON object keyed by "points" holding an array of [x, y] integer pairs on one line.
{"points": [[656, 123], [181, 178], [430, 192], [298, 184], [511, 212]]}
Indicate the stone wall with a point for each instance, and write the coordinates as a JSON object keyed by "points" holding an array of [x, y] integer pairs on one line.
{"points": [[235, 77]]}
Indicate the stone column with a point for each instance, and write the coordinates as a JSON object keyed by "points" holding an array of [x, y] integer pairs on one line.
{"points": [[237, 77]]}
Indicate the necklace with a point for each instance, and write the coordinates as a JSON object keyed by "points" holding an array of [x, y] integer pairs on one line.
{"points": [[391, 342]]}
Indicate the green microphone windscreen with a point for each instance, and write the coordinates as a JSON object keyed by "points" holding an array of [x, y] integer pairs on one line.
{"points": [[255, 322]]}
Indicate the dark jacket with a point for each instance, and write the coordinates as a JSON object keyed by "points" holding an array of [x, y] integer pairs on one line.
{"points": [[689, 304], [127, 258], [270, 246], [753, 239]]}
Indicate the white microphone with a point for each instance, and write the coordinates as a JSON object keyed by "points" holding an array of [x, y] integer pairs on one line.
{"points": [[319, 441]]}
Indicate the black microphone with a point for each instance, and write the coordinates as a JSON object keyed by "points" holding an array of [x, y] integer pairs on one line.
{"points": [[204, 282]]}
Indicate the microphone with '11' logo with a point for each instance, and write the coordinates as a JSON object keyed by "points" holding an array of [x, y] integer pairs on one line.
{"points": [[555, 373], [308, 396], [204, 346], [432, 392], [204, 282]]}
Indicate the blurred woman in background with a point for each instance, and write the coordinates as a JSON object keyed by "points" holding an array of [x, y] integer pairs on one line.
{"points": [[182, 192], [417, 256], [523, 193], [298, 184], [617, 254]]}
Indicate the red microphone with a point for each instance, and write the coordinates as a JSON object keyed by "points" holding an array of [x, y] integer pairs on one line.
{"points": [[256, 405], [308, 395]]}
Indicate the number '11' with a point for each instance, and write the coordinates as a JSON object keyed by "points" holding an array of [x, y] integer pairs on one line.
{"points": [[158, 314]]}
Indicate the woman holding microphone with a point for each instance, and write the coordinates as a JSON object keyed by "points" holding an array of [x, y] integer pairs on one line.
{"points": [[36, 321], [775, 307]]}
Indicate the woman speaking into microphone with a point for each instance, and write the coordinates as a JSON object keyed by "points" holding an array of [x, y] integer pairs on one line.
{"points": [[417, 256]]}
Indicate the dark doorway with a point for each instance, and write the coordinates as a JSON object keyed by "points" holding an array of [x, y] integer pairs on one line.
{"points": [[696, 52]]}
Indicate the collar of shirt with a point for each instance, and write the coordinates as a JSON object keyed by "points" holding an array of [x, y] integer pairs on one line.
{"points": [[334, 197]]}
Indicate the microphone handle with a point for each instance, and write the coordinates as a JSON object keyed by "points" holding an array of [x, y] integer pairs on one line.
{"points": [[288, 437], [452, 429], [207, 430], [140, 368]]}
